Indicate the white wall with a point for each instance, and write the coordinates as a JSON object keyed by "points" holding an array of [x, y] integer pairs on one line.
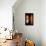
{"points": [[6, 13], [43, 22], [31, 32]]}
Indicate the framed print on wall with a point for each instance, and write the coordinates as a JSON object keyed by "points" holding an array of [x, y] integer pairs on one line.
{"points": [[29, 18]]}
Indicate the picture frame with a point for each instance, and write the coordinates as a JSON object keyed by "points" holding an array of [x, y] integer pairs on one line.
{"points": [[29, 18]]}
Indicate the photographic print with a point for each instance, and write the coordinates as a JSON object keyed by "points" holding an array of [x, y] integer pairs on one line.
{"points": [[29, 19]]}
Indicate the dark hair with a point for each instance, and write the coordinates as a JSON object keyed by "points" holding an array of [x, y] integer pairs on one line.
{"points": [[34, 44]]}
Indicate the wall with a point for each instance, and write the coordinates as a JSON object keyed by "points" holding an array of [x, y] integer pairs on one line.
{"points": [[6, 13], [6, 16], [29, 32], [43, 22]]}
